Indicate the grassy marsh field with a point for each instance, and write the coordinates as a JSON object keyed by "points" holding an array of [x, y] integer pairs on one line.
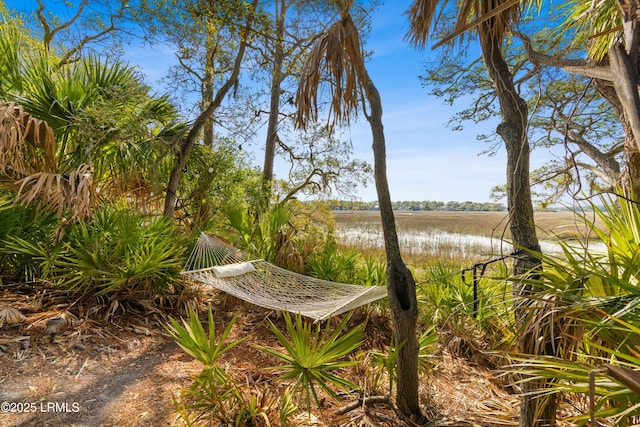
{"points": [[489, 224], [454, 236]]}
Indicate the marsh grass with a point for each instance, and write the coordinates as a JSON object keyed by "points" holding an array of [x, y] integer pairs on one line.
{"points": [[452, 236], [438, 246], [565, 225]]}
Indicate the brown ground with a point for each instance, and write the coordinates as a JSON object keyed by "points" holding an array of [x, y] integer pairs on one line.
{"points": [[126, 373]]}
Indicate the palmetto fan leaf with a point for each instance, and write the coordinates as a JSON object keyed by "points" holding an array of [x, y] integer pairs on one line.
{"points": [[10, 71], [613, 387], [59, 95], [27, 162], [596, 23], [204, 345], [27, 144], [596, 300], [60, 192], [496, 17]]}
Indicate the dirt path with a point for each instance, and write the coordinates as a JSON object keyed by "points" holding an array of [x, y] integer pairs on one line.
{"points": [[103, 377], [127, 374]]}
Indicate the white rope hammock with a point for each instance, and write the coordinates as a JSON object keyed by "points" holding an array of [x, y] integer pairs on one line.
{"points": [[226, 268]]}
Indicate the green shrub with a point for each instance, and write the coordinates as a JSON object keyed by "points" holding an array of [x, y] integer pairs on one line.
{"points": [[34, 227], [588, 302], [215, 398], [213, 395], [261, 232], [329, 263], [116, 251], [384, 362], [372, 272]]}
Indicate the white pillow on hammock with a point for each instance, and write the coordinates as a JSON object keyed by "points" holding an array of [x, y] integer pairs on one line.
{"points": [[232, 270]]}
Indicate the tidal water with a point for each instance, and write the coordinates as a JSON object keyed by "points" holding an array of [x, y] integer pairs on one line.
{"points": [[434, 242]]}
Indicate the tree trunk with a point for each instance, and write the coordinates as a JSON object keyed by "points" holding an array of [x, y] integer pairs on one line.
{"points": [[187, 143], [630, 179], [624, 71], [207, 89], [400, 283], [625, 81], [534, 411], [274, 107], [632, 173]]}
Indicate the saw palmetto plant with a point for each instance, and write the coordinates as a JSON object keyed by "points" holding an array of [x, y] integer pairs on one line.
{"points": [[28, 165], [118, 251], [313, 354], [591, 301], [213, 395]]}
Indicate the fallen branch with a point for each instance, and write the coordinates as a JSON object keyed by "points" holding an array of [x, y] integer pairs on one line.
{"points": [[364, 401]]}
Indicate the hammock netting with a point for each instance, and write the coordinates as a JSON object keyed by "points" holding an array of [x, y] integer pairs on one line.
{"points": [[218, 264]]}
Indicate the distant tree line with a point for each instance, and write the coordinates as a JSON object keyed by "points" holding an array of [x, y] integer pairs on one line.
{"points": [[413, 205]]}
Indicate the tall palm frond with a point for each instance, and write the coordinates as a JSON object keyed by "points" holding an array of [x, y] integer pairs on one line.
{"points": [[10, 46], [593, 316], [128, 153], [607, 375], [60, 192], [336, 56], [27, 144], [59, 95], [598, 25], [495, 16]]}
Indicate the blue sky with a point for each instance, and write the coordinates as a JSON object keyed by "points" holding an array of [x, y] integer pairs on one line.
{"points": [[425, 159]]}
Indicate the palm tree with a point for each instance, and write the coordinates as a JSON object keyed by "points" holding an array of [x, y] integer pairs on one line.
{"points": [[97, 127], [596, 295], [28, 166], [492, 20], [338, 57]]}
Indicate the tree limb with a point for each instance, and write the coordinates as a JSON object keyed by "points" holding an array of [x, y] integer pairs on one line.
{"points": [[572, 66], [87, 39], [364, 401]]}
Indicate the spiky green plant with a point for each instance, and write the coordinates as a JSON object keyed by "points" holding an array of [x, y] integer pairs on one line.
{"points": [[255, 409], [373, 272], [385, 361], [35, 229], [117, 251], [259, 230], [332, 264], [287, 409], [607, 377], [428, 342], [213, 395], [311, 357], [211, 399], [443, 292], [205, 346], [592, 301]]}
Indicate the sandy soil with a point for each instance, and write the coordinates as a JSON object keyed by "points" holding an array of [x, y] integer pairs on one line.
{"points": [[126, 373]]}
